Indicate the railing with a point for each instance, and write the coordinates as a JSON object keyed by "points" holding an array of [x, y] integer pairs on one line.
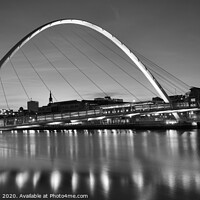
{"points": [[109, 111], [35, 119]]}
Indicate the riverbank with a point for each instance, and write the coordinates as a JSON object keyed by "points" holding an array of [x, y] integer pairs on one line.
{"points": [[137, 126]]}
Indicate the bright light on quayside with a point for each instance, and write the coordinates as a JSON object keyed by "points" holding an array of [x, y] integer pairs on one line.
{"points": [[194, 123], [171, 122], [54, 123]]}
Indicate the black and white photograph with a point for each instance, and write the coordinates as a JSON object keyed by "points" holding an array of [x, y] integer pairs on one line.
{"points": [[100, 99]]}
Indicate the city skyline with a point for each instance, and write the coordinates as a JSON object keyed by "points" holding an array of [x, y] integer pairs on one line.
{"points": [[166, 32]]}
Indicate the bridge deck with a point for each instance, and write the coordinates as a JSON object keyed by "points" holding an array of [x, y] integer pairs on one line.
{"points": [[107, 115]]}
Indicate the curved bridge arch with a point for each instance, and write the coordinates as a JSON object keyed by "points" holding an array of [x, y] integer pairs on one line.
{"points": [[132, 56]]}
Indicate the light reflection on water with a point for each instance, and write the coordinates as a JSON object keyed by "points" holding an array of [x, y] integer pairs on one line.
{"points": [[105, 164]]}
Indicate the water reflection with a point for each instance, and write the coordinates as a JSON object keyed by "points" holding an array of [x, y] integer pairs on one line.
{"points": [[74, 181], [3, 177], [21, 179], [105, 181], [55, 180], [110, 164], [36, 177], [91, 182]]}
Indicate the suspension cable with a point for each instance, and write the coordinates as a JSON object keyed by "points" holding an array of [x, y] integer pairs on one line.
{"points": [[98, 66], [32, 66], [4, 93], [77, 67], [57, 71], [114, 63], [164, 83], [155, 65], [131, 62], [19, 79], [152, 64], [162, 78]]}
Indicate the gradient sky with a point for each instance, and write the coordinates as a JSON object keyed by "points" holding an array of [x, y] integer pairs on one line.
{"points": [[165, 31]]}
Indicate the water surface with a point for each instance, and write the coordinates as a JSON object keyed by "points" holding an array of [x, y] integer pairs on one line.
{"points": [[102, 164]]}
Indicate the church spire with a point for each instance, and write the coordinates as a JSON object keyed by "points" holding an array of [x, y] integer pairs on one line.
{"points": [[50, 98]]}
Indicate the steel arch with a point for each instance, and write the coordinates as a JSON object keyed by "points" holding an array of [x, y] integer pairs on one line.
{"points": [[132, 56]]}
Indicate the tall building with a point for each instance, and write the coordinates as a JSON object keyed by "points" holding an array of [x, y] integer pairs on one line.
{"points": [[33, 106]]}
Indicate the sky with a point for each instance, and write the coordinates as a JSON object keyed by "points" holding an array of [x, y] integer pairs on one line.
{"points": [[165, 31]]}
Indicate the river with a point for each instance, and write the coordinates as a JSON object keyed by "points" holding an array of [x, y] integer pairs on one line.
{"points": [[100, 164]]}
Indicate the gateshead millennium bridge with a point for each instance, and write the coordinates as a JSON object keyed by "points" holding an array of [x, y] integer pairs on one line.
{"points": [[163, 111]]}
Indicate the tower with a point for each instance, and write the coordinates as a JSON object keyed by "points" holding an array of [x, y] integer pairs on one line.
{"points": [[50, 98]]}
